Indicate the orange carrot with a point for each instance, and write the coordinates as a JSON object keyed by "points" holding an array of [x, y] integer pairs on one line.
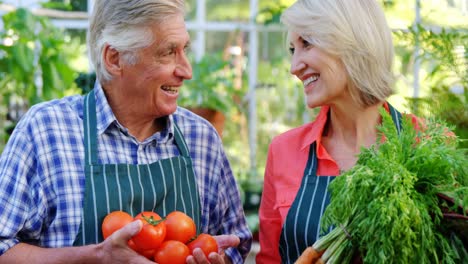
{"points": [[320, 261], [309, 256]]}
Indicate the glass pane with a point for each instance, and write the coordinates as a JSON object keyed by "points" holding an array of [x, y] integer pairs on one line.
{"points": [[227, 10], [81, 61], [270, 11], [445, 13], [190, 9], [272, 45], [217, 40], [399, 14]]}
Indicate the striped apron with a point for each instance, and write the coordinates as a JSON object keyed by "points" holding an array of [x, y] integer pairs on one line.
{"points": [[163, 186], [302, 226]]}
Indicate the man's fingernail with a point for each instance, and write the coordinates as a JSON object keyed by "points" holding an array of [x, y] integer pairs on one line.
{"points": [[136, 226]]}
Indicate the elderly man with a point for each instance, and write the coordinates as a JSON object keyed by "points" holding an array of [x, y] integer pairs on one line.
{"points": [[124, 146]]}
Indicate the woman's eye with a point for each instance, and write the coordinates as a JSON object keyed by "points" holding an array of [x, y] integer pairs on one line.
{"points": [[291, 50], [306, 43]]}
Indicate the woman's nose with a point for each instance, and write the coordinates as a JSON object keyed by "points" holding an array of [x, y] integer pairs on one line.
{"points": [[297, 65]]}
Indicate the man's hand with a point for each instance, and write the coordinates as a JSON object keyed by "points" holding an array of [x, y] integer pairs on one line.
{"points": [[224, 242], [115, 248]]}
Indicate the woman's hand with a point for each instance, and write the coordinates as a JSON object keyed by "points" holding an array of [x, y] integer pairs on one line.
{"points": [[224, 242]]}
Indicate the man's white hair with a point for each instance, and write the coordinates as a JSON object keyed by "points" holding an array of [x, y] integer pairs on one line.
{"points": [[125, 26]]}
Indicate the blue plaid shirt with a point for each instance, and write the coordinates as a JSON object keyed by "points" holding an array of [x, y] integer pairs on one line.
{"points": [[42, 178]]}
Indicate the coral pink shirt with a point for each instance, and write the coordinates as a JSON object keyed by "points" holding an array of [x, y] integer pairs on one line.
{"points": [[287, 158]]}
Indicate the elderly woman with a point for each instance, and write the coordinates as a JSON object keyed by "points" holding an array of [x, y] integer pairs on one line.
{"points": [[342, 52], [124, 146]]}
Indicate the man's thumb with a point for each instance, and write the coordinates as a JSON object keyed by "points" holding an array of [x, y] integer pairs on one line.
{"points": [[129, 230]]}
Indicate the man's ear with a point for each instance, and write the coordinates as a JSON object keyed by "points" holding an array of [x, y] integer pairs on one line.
{"points": [[111, 60]]}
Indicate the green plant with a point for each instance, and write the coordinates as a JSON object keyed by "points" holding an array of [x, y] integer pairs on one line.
{"points": [[68, 5], [212, 85], [446, 53], [85, 81], [271, 14], [445, 59], [34, 60]]}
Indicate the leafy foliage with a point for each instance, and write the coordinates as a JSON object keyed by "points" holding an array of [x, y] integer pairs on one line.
{"points": [[445, 56], [34, 58], [271, 14], [34, 64], [211, 85], [444, 52], [70, 5]]}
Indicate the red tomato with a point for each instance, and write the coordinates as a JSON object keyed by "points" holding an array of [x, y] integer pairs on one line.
{"points": [[152, 233], [149, 254], [132, 245], [172, 252], [180, 227], [205, 242], [114, 221]]}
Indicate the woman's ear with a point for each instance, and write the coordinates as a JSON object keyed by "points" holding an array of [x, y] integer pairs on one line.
{"points": [[111, 60]]}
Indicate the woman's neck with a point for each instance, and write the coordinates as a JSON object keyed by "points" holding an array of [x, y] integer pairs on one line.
{"points": [[354, 127], [347, 130]]}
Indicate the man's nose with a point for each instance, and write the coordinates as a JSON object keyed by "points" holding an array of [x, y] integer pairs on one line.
{"points": [[184, 68]]}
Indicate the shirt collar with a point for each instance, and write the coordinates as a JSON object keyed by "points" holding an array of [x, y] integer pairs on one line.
{"points": [[104, 115], [105, 118], [315, 129]]}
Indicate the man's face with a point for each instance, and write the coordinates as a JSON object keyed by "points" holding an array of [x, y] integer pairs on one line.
{"points": [[151, 86]]}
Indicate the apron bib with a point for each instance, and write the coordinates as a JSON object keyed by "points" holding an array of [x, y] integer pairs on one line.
{"points": [[302, 226], [163, 186]]}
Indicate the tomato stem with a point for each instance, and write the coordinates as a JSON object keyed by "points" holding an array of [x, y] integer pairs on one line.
{"points": [[150, 220], [192, 239]]}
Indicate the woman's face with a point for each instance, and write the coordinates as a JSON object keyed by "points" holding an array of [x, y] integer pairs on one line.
{"points": [[323, 75]]}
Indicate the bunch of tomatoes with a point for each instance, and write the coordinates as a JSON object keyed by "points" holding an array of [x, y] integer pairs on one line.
{"points": [[165, 240]]}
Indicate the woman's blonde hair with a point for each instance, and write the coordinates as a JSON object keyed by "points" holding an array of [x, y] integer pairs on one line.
{"points": [[356, 32], [125, 25]]}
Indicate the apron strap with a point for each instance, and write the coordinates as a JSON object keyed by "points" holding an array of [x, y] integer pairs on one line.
{"points": [[396, 117], [90, 130], [180, 142]]}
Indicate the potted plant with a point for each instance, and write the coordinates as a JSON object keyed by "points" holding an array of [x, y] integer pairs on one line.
{"points": [[210, 93]]}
